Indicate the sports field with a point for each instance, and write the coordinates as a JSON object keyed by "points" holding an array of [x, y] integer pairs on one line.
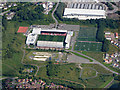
{"points": [[88, 46], [86, 40], [87, 34], [51, 38]]}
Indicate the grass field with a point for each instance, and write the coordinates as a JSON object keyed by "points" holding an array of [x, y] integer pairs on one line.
{"points": [[51, 38], [72, 73], [87, 34], [98, 68], [14, 41], [88, 73], [102, 79], [88, 46]]}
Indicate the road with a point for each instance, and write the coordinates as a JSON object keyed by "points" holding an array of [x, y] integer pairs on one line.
{"points": [[56, 22], [4, 12], [112, 11], [96, 62]]}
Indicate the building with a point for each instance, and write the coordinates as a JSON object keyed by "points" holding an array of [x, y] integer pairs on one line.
{"points": [[10, 15], [36, 31], [31, 39], [107, 32], [108, 38], [67, 41], [83, 11], [116, 35], [49, 44], [41, 56]]}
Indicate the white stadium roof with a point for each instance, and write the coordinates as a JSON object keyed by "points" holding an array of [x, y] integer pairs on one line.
{"points": [[36, 30], [50, 44], [53, 30], [89, 12], [31, 39], [67, 40]]}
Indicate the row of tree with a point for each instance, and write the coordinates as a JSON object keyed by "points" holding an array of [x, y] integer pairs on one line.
{"points": [[101, 38]]}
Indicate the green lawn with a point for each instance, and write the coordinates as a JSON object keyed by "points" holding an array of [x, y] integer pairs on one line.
{"points": [[12, 46], [88, 73], [98, 68], [102, 78]]}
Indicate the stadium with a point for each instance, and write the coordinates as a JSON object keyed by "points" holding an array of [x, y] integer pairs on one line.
{"points": [[43, 38]]}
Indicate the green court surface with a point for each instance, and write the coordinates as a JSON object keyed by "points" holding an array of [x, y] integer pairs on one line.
{"points": [[88, 46], [87, 34]]}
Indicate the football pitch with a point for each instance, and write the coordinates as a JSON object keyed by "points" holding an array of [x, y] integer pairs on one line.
{"points": [[86, 40], [87, 34], [51, 38], [88, 46]]}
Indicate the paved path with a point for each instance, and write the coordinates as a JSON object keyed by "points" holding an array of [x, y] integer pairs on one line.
{"points": [[56, 22], [27, 64], [109, 83]]}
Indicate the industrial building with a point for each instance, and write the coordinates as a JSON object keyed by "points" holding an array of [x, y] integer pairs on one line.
{"points": [[32, 38], [84, 11]]}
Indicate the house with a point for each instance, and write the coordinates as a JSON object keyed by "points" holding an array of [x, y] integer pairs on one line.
{"points": [[112, 56], [107, 32], [108, 38], [114, 64], [112, 41], [5, 8], [117, 60], [116, 35], [9, 5], [117, 65], [115, 55], [105, 60], [14, 4], [106, 56], [110, 60]]}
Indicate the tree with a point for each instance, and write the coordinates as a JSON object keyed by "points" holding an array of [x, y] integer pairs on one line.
{"points": [[105, 47], [100, 32]]}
